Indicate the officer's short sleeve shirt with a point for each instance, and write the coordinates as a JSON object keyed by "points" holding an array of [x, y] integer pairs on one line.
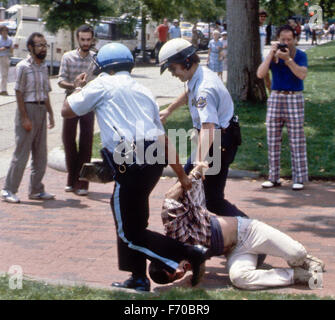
{"points": [[208, 99], [124, 108]]}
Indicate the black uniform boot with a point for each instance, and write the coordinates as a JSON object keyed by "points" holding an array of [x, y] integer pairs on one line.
{"points": [[197, 257], [137, 283]]}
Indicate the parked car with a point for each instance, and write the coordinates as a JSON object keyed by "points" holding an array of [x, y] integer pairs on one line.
{"points": [[29, 21], [204, 31], [203, 40], [11, 25], [118, 30], [106, 30], [151, 39], [206, 28], [185, 25], [186, 34]]}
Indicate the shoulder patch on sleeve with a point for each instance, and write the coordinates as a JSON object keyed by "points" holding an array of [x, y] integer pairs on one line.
{"points": [[201, 102]]}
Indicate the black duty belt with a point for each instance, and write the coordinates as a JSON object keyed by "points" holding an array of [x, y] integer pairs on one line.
{"points": [[36, 102]]}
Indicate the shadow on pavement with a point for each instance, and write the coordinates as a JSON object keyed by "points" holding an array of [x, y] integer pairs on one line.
{"points": [[285, 197], [56, 204], [321, 226]]}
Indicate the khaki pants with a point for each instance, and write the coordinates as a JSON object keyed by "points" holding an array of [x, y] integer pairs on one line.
{"points": [[34, 141], [255, 237], [4, 67]]}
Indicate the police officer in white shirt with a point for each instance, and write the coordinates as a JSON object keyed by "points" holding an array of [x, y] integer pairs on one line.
{"points": [[212, 112], [127, 112]]}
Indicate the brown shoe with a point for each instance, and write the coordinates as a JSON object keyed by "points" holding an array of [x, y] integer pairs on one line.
{"points": [[4, 93]]}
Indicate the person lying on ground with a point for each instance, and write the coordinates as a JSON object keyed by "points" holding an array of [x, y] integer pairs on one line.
{"points": [[240, 239]]}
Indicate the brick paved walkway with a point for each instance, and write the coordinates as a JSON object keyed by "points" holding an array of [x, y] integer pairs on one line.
{"points": [[73, 238]]}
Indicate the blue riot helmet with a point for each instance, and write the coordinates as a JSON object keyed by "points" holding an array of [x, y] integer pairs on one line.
{"points": [[113, 56]]}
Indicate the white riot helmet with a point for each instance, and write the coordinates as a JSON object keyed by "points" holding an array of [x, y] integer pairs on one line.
{"points": [[175, 51]]}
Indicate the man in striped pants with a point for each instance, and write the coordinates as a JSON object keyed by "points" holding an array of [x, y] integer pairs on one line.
{"points": [[286, 106]]}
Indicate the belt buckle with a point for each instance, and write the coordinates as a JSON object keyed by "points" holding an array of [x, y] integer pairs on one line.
{"points": [[122, 168]]}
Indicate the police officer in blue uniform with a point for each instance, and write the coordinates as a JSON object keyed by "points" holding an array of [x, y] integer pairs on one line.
{"points": [[212, 112], [127, 111]]}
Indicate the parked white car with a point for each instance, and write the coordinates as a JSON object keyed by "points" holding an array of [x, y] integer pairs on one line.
{"points": [[11, 25], [185, 25], [29, 21], [106, 30], [151, 39], [110, 29]]}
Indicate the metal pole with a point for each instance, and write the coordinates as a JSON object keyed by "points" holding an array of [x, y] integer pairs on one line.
{"points": [[52, 59]]}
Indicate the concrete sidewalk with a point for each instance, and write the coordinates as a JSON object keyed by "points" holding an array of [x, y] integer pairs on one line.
{"points": [[72, 239]]}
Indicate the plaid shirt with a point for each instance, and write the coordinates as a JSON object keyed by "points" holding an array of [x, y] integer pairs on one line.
{"points": [[32, 80], [187, 220], [73, 64]]}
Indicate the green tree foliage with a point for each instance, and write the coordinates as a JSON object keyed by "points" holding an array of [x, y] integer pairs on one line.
{"points": [[280, 10], [159, 9], [328, 7], [70, 14], [204, 10], [126, 6]]}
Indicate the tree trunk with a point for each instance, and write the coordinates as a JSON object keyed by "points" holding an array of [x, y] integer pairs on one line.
{"points": [[72, 39], [244, 55], [143, 37]]}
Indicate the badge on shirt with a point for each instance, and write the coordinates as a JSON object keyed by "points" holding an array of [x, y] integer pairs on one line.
{"points": [[200, 103]]}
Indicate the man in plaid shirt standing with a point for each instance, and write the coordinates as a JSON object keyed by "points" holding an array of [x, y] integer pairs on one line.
{"points": [[32, 89], [73, 63], [286, 106]]}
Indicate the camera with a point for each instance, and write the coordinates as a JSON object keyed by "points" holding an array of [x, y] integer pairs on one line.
{"points": [[282, 47]]}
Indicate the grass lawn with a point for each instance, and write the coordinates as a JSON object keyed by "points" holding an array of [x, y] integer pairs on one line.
{"points": [[32, 290], [319, 123]]}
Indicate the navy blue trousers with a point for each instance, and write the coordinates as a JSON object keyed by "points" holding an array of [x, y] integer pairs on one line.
{"points": [[135, 243], [214, 185]]}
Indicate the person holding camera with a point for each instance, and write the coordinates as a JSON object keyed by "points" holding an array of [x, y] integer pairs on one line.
{"points": [[286, 106]]}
